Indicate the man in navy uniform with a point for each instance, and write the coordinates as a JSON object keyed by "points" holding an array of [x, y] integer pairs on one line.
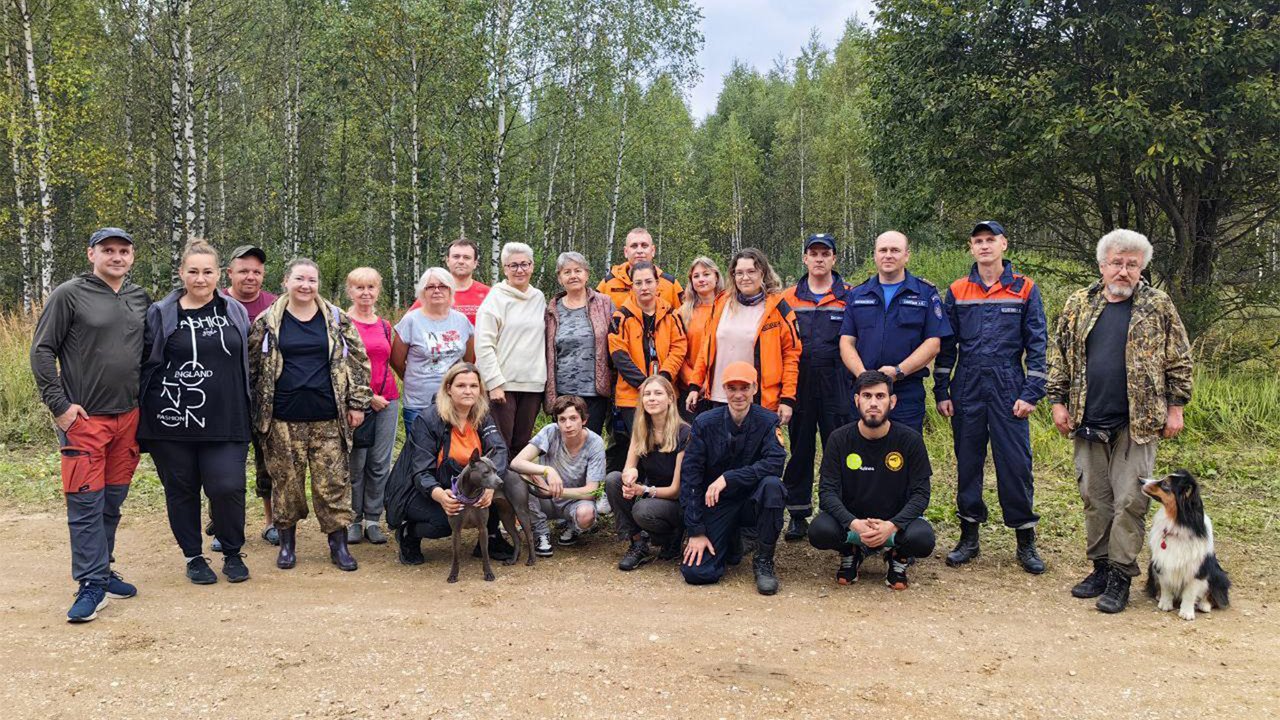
{"points": [[823, 397], [894, 323], [999, 319]]}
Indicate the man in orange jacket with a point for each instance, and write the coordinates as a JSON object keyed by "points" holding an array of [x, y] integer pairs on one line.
{"points": [[638, 247]]}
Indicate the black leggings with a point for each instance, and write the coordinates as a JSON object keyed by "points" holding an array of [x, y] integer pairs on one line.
{"points": [[219, 468]]}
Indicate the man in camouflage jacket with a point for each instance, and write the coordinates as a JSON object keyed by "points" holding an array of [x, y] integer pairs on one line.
{"points": [[1119, 376]]}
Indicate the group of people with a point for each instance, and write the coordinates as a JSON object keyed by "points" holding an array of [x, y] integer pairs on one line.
{"points": [[692, 385]]}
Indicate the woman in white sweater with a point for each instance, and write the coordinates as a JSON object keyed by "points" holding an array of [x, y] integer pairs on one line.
{"points": [[511, 347]]}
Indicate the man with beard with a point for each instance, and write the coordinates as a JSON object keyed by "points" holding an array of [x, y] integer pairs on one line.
{"points": [[1119, 375], [874, 488]]}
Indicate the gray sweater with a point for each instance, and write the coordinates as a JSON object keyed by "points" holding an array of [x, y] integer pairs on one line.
{"points": [[87, 347]]}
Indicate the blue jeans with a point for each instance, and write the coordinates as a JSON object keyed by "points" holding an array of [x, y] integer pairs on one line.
{"points": [[410, 414]]}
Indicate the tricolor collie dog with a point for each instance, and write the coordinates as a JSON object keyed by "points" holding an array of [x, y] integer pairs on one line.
{"points": [[1183, 568]]}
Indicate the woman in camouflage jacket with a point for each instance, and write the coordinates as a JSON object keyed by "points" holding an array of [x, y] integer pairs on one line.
{"points": [[310, 377]]}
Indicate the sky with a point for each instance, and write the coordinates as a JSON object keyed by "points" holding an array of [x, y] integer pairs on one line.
{"points": [[757, 32]]}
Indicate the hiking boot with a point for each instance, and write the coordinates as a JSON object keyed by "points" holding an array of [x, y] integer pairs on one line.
{"points": [[90, 598], [234, 568], [355, 533], [967, 548], [766, 576], [118, 588], [1116, 596], [671, 548], [373, 533], [797, 529], [1095, 583], [896, 577], [1028, 556], [199, 572], [271, 534], [339, 553], [287, 557], [638, 554], [410, 552], [569, 536], [499, 548], [847, 573]]}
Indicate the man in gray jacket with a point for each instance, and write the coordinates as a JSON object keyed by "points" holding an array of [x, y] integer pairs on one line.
{"points": [[86, 357]]}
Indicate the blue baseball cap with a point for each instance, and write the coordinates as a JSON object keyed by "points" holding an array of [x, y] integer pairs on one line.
{"points": [[990, 226], [108, 233], [820, 239]]}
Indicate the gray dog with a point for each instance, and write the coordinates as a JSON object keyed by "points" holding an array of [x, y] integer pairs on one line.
{"points": [[479, 475]]}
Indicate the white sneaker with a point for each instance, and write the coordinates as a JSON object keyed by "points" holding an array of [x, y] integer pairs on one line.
{"points": [[602, 506], [569, 536], [542, 546]]}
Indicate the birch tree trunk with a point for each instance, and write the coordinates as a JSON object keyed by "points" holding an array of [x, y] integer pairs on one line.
{"points": [[189, 116], [43, 155], [395, 172], [500, 52], [415, 143], [15, 157], [617, 179], [177, 210]]}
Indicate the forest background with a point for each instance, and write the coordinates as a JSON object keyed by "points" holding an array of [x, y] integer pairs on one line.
{"points": [[373, 132]]}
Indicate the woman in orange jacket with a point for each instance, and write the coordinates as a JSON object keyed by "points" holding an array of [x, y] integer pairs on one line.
{"points": [[646, 337], [706, 287], [753, 324]]}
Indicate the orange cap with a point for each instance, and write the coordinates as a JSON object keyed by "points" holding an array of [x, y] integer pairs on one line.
{"points": [[739, 372]]}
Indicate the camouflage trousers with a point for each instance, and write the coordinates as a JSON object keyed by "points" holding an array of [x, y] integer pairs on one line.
{"points": [[293, 447]]}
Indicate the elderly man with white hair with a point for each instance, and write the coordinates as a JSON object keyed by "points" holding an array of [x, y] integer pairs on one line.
{"points": [[1119, 376]]}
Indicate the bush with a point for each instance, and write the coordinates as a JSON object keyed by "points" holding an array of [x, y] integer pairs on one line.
{"points": [[23, 418]]}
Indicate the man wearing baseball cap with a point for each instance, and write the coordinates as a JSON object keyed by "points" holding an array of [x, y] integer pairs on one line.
{"points": [[86, 357], [730, 479], [1000, 327], [246, 269], [822, 393]]}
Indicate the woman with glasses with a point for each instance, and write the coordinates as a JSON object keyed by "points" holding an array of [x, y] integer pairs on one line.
{"points": [[511, 352], [577, 335], [752, 324], [428, 341]]}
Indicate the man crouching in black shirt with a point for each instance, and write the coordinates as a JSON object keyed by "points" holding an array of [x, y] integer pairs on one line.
{"points": [[874, 488]]}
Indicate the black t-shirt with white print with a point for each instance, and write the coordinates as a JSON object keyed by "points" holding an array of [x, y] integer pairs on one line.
{"points": [[198, 395]]}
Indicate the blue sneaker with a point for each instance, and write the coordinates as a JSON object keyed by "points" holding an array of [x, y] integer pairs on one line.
{"points": [[118, 588], [215, 546], [89, 600]]}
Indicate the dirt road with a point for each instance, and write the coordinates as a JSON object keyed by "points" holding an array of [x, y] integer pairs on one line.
{"points": [[574, 637]]}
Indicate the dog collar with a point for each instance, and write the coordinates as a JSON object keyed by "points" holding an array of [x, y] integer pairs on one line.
{"points": [[462, 498]]}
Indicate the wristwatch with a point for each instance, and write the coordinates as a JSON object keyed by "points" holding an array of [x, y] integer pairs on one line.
{"points": [[897, 372]]}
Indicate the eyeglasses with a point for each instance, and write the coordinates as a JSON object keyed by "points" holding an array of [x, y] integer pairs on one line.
{"points": [[1131, 266], [526, 265], [435, 288], [746, 273]]}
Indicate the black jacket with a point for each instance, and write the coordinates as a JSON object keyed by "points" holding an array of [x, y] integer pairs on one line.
{"points": [[745, 454], [418, 469]]}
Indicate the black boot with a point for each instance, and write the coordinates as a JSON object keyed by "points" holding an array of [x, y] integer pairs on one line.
{"points": [[797, 529], [967, 548], [1095, 583], [1116, 596], [762, 564], [499, 548], [287, 557], [410, 547], [338, 551], [1028, 557]]}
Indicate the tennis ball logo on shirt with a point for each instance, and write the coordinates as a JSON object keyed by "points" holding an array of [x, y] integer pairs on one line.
{"points": [[853, 461]]}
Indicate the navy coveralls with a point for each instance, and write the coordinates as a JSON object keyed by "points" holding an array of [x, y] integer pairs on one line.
{"points": [[822, 393], [995, 328], [750, 457], [886, 336]]}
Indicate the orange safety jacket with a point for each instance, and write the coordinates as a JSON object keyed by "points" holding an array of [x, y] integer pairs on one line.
{"points": [[696, 330], [777, 353], [617, 285], [637, 353]]}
